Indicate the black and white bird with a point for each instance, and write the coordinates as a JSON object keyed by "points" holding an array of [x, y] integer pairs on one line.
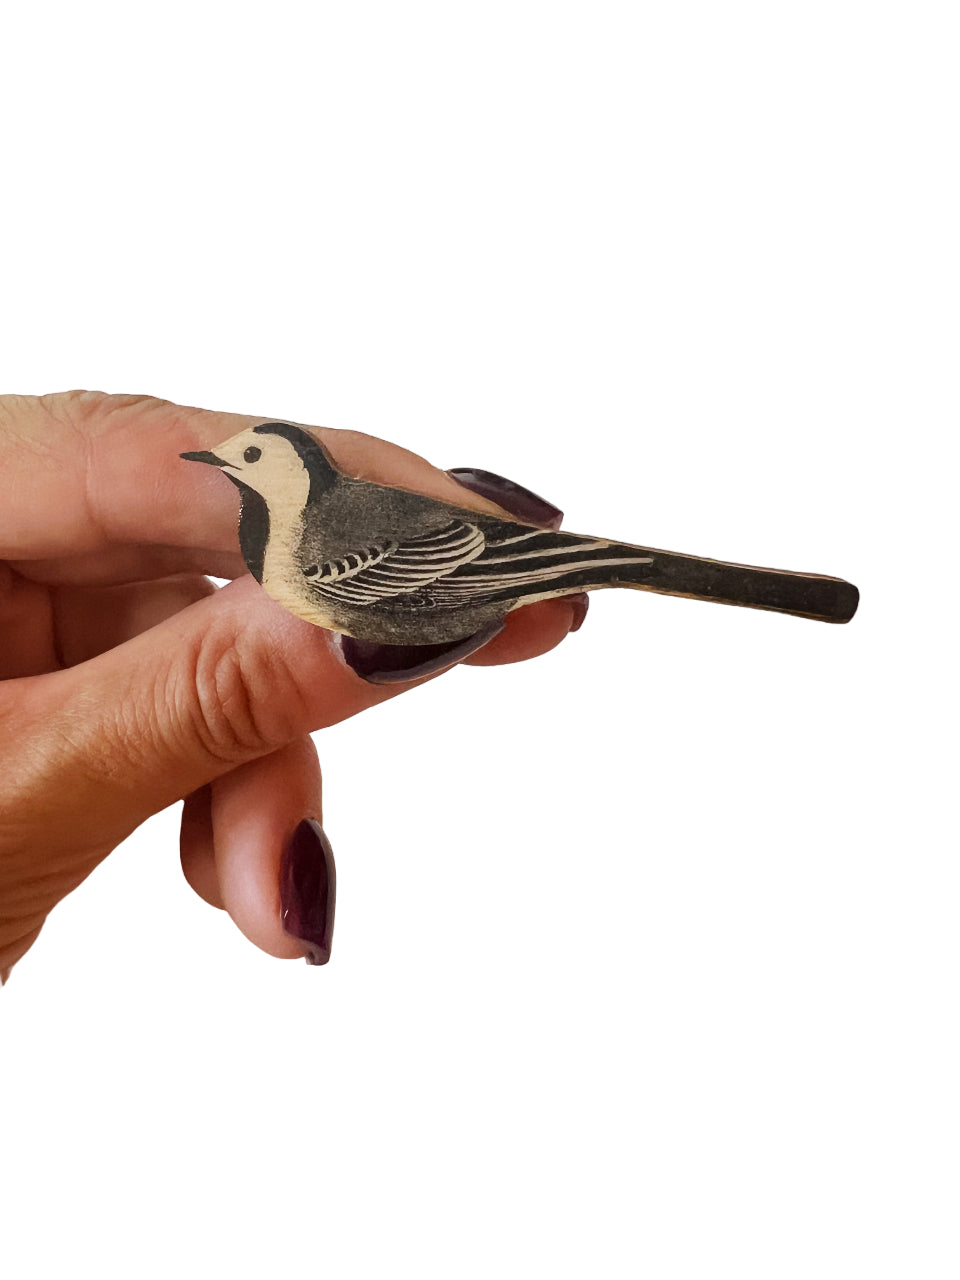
{"points": [[394, 567]]}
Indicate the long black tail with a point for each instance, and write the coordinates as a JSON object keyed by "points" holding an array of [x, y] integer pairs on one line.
{"points": [[539, 563], [808, 595]]}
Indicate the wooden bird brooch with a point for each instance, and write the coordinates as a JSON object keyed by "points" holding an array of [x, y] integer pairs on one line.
{"points": [[392, 567]]}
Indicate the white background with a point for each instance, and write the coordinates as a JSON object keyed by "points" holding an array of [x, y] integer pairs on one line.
{"points": [[646, 954]]}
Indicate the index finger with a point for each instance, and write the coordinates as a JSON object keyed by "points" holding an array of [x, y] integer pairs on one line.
{"points": [[86, 473]]}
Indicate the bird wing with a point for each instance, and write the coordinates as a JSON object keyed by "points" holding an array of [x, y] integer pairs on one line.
{"points": [[519, 561], [458, 566], [392, 568]]}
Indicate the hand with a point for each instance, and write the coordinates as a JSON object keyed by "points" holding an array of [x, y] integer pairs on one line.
{"points": [[129, 681]]}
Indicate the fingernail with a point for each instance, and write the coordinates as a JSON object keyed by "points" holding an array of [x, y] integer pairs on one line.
{"points": [[580, 603], [308, 890], [394, 663], [520, 502]]}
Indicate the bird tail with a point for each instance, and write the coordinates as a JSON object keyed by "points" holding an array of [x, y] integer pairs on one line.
{"points": [[807, 595], [532, 565]]}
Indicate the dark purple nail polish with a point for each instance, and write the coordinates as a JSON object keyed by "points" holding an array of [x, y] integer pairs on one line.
{"points": [[308, 890], [580, 603], [520, 502], [395, 663]]}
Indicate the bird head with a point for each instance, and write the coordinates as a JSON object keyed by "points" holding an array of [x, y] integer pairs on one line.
{"points": [[277, 460]]}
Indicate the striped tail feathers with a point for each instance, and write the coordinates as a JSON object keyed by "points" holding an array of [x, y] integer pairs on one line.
{"points": [[519, 563], [525, 563]]}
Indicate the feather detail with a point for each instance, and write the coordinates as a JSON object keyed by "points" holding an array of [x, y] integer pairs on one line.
{"points": [[396, 568], [457, 567]]}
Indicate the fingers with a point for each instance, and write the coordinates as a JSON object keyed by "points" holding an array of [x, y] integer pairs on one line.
{"points": [[14, 949], [113, 566], [222, 682], [89, 621], [196, 847], [238, 838], [26, 627], [252, 843], [257, 811], [229, 679], [529, 632], [212, 700], [234, 832], [87, 471], [84, 472], [46, 629]]}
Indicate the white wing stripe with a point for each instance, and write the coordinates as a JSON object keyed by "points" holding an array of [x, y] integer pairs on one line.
{"points": [[442, 535], [514, 556], [520, 537], [466, 583], [399, 568]]}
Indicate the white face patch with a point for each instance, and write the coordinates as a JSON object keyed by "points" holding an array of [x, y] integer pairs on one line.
{"points": [[270, 465]]}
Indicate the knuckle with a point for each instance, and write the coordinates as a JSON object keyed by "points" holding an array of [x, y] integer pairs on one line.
{"points": [[245, 705], [82, 406]]}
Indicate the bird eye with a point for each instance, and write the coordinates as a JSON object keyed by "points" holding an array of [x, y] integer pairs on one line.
{"points": [[252, 454]]}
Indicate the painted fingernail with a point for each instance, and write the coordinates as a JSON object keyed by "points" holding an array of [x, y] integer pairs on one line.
{"points": [[520, 502], [395, 663], [308, 890], [580, 604]]}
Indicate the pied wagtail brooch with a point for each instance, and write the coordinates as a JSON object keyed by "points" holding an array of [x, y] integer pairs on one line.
{"points": [[393, 567]]}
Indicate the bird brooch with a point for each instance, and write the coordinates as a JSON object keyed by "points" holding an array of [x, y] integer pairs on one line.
{"points": [[388, 566]]}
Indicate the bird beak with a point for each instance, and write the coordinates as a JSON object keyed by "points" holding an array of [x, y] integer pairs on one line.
{"points": [[205, 456]]}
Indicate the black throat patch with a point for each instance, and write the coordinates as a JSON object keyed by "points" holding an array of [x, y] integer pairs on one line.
{"points": [[254, 529]]}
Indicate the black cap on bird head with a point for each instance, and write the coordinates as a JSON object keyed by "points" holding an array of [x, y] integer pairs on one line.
{"points": [[311, 453]]}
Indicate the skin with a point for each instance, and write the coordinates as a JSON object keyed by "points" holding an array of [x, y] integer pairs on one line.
{"points": [[128, 681]]}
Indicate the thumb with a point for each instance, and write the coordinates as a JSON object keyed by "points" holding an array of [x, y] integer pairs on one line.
{"points": [[224, 681], [90, 752], [231, 678]]}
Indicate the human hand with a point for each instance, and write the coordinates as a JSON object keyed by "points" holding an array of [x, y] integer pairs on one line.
{"points": [[129, 681]]}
